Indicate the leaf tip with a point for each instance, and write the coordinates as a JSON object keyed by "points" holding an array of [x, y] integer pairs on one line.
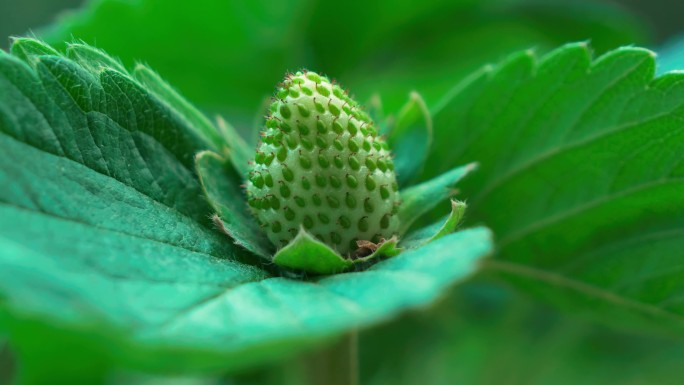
{"points": [[459, 205], [220, 225], [472, 166]]}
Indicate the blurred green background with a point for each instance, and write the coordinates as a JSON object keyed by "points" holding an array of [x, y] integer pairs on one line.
{"points": [[20, 17], [228, 62], [662, 17], [386, 47]]}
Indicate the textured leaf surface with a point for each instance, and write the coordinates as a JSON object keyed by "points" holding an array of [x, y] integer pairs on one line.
{"points": [[106, 242], [580, 178], [389, 47]]}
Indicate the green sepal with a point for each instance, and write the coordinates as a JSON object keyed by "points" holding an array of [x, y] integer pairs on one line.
{"points": [[306, 253], [221, 185], [438, 229], [419, 199], [410, 138], [388, 248]]}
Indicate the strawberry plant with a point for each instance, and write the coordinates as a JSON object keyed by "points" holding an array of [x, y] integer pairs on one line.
{"points": [[246, 224]]}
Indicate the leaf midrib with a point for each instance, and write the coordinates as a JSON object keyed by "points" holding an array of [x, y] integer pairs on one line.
{"points": [[104, 229], [576, 210], [350, 304], [589, 290], [200, 304], [118, 277], [40, 83], [580, 259]]}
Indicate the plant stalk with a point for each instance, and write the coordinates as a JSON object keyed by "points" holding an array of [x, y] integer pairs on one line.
{"points": [[335, 365]]}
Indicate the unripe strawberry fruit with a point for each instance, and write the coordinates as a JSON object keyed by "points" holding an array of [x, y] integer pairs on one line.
{"points": [[321, 165]]}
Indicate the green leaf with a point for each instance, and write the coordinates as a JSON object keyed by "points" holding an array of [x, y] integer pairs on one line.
{"points": [[410, 138], [580, 177], [233, 53], [221, 185], [101, 190], [221, 327], [420, 199], [438, 229], [105, 241]]}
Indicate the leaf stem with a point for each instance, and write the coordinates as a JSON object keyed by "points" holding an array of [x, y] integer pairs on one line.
{"points": [[335, 365]]}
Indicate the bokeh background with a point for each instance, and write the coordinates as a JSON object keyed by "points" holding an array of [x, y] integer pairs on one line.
{"points": [[227, 63], [212, 50], [661, 17]]}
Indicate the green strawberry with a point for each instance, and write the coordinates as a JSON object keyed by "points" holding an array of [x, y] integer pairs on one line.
{"points": [[322, 166]]}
